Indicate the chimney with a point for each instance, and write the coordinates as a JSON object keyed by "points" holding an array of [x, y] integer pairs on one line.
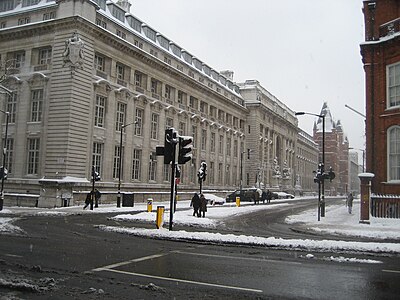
{"points": [[125, 5], [228, 74]]}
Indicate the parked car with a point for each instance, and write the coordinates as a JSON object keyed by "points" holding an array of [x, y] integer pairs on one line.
{"points": [[284, 195], [214, 200], [249, 194]]}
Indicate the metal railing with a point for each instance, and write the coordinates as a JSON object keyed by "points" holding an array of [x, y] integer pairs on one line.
{"points": [[385, 206]]}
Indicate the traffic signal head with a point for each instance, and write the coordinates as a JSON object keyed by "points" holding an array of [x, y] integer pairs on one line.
{"points": [[185, 149], [95, 174], [3, 173], [169, 146], [331, 174]]}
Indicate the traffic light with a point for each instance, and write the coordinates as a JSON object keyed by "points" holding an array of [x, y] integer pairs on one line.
{"points": [[3, 173], [185, 149], [169, 145], [318, 174], [95, 174], [202, 171]]}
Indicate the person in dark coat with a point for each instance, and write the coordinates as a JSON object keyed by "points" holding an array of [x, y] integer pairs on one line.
{"points": [[269, 196], [203, 205], [350, 202], [88, 199], [97, 196], [264, 196], [196, 205]]}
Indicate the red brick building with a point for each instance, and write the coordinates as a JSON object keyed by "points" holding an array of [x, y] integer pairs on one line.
{"points": [[336, 151], [381, 57]]}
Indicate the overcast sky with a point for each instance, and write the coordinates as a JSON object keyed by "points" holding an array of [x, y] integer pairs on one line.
{"points": [[303, 52]]}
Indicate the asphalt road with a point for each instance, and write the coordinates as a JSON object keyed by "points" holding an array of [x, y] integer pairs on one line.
{"points": [[69, 258]]}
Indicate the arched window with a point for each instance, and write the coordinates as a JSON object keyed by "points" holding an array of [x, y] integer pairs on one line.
{"points": [[394, 153]]}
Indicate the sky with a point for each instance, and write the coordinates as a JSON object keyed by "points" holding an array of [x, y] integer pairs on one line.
{"points": [[303, 52]]}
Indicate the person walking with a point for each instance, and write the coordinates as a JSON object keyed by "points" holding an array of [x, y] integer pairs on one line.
{"points": [[269, 196], [264, 196], [196, 205], [203, 205], [88, 199], [97, 196], [349, 202]]}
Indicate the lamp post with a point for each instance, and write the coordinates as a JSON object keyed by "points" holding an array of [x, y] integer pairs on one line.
{"points": [[321, 183], [9, 93], [120, 164]]}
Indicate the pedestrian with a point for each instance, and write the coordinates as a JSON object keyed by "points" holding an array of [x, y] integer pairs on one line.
{"points": [[196, 205], [97, 196], [349, 202], [203, 205], [88, 199], [264, 196], [269, 196]]}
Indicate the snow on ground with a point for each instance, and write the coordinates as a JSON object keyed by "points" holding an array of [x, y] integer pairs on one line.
{"points": [[336, 221]]}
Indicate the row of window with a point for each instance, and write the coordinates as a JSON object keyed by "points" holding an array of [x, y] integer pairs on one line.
{"points": [[26, 19], [32, 156], [137, 170]]}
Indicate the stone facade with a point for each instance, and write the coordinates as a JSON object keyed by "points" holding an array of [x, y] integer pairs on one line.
{"points": [[86, 73]]}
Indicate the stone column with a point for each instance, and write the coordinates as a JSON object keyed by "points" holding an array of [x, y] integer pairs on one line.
{"points": [[365, 188]]}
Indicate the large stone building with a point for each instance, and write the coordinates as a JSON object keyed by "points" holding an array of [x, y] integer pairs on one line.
{"points": [[336, 151], [381, 57], [87, 74]]}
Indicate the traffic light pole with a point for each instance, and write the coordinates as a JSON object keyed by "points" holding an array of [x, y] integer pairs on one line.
{"points": [[172, 198]]}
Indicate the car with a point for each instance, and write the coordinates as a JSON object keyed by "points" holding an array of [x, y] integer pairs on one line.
{"points": [[214, 200], [248, 194], [284, 195]]}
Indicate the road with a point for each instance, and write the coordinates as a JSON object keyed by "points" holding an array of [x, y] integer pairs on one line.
{"points": [[69, 258]]}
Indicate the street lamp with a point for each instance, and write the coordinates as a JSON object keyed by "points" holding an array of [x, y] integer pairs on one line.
{"points": [[9, 93], [120, 163], [321, 183]]}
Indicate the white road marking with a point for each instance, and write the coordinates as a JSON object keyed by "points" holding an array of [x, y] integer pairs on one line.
{"points": [[391, 271], [185, 281], [129, 262], [238, 257]]}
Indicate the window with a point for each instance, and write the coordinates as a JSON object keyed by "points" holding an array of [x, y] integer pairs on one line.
{"points": [[154, 126], [221, 144], [152, 170], [99, 62], [212, 142], [97, 157], [139, 121], [220, 177], [154, 86], [138, 78], [169, 122], [99, 111], [228, 146], [203, 139], [121, 112], [134, 23], [45, 56], [101, 3], [394, 153], [6, 5], [167, 173], [19, 59], [117, 164], [33, 156], [235, 148], [121, 34], [49, 15], [12, 106], [118, 13], [194, 135], [211, 173], [120, 69], [101, 23], [36, 105], [182, 128], [163, 42], [29, 2], [24, 20], [3, 25], [9, 155], [150, 33], [137, 156], [394, 85]]}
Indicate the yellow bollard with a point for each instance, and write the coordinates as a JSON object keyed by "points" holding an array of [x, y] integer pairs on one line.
{"points": [[160, 217], [237, 201], [149, 204]]}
